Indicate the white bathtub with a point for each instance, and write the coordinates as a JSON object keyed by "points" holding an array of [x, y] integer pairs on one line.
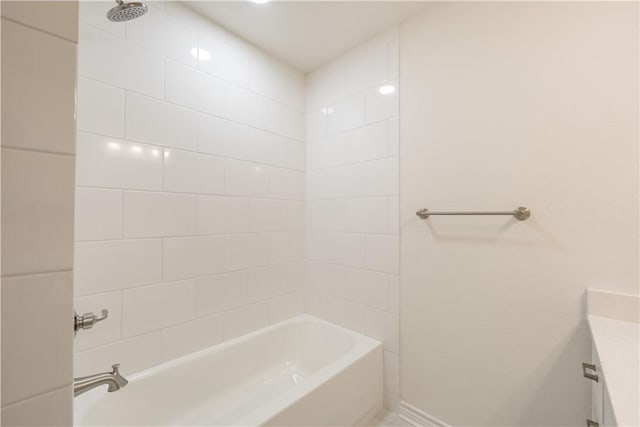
{"points": [[303, 371]]}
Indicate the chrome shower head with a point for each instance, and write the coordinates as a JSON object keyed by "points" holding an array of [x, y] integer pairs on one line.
{"points": [[126, 11]]}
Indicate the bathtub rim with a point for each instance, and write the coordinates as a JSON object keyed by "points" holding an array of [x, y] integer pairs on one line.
{"points": [[219, 347], [363, 346]]}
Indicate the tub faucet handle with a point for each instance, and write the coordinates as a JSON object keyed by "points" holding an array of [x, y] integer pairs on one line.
{"points": [[87, 320]]}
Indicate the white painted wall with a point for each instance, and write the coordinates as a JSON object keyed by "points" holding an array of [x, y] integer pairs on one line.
{"points": [[190, 174], [507, 104], [352, 196], [38, 149]]}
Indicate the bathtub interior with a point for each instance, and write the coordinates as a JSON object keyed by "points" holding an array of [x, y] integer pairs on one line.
{"points": [[226, 382]]}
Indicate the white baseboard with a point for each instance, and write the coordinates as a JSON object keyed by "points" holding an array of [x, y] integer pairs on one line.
{"points": [[418, 418]]}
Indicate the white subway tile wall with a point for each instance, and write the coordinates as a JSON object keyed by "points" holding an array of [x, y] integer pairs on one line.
{"points": [[190, 212], [214, 199], [352, 236]]}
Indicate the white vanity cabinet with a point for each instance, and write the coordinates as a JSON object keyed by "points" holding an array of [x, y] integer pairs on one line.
{"points": [[607, 410], [592, 371], [614, 373], [601, 410]]}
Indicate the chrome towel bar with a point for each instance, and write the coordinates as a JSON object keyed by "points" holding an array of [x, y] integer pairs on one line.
{"points": [[521, 213]]}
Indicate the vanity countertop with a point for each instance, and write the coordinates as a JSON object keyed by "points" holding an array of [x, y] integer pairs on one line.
{"points": [[618, 345]]}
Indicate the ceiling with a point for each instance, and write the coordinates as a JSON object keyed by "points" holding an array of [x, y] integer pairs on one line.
{"points": [[306, 34]]}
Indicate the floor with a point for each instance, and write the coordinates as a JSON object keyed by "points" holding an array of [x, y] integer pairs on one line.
{"points": [[388, 419]]}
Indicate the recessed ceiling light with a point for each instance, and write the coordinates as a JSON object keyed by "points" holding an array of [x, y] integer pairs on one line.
{"points": [[327, 110], [260, 1]]}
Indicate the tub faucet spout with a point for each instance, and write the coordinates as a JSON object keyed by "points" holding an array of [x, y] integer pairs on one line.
{"points": [[113, 379]]}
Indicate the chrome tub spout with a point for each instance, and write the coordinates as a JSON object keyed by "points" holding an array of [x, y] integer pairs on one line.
{"points": [[113, 379]]}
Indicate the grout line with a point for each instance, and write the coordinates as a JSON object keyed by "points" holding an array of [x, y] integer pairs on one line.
{"points": [[191, 109], [127, 89], [161, 146], [227, 234], [98, 294], [194, 278], [167, 59], [37, 273], [37, 396], [37, 150], [43, 31], [221, 314], [185, 193], [303, 111], [350, 266]]}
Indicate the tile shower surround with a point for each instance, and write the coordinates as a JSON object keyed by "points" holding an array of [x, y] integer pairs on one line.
{"points": [[192, 222], [352, 232], [190, 187]]}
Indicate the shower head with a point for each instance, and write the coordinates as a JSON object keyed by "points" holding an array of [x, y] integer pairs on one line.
{"points": [[126, 11]]}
